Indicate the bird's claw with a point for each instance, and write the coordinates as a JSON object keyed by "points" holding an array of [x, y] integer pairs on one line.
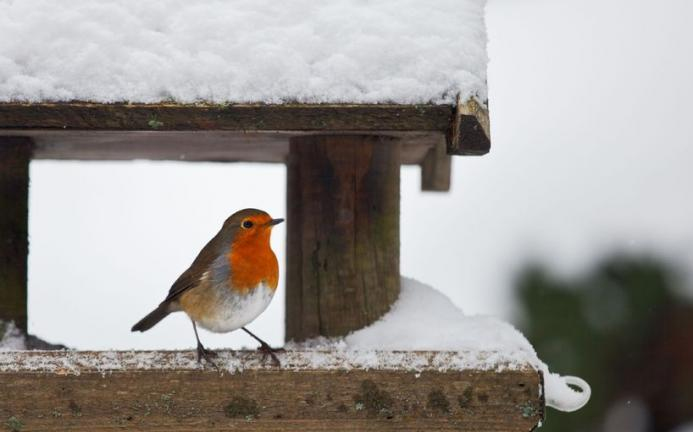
{"points": [[208, 355], [268, 351]]}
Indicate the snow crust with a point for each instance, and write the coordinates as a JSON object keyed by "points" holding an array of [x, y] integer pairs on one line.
{"points": [[222, 51], [425, 319], [78, 362]]}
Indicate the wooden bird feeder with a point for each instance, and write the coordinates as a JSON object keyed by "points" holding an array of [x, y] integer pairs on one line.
{"points": [[343, 199], [342, 189], [343, 273]]}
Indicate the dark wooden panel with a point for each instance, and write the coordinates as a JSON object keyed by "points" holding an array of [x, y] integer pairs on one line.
{"points": [[182, 397], [15, 154]]}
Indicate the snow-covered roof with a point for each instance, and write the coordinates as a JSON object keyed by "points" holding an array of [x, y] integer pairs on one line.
{"points": [[242, 51]]}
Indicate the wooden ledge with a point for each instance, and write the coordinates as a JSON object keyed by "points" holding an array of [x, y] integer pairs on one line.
{"points": [[168, 390]]}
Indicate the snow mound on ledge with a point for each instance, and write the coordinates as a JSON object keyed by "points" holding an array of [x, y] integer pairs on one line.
{"points": [[399, 51], [425, 319], [14, 339], [11, 338]]}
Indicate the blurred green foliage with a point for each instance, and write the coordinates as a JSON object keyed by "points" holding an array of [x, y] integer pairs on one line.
{"points": [[624, 327]]}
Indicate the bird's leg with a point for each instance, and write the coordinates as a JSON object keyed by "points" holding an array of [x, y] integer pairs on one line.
{"points": [[265, 349], [203, 352]]}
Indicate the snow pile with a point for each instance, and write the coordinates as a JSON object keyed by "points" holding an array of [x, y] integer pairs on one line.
{"points": [[424, 319], [400, 51], [11, 338]]}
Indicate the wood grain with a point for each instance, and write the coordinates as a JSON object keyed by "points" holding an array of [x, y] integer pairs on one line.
{"points": [[342, 233], [253, 117], [15, 155], [263, 398]]}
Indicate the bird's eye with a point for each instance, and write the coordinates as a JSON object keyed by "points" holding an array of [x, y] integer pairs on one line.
{"points": [[247, 224]]}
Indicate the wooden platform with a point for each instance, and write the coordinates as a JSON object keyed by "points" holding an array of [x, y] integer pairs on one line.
{"points": [[312, 391]]}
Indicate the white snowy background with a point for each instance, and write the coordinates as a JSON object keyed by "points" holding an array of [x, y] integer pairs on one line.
{"points": [[590, 108]]}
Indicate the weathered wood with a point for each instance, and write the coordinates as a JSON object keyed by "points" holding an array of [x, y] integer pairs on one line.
{"points": [[168, 391], [15, 154], [208, 146], [342, 234], [256, 117], [470, 134], [436, 169]]}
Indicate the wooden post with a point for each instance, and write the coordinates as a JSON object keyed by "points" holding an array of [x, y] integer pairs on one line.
{"points": [[435, 169], [15, 154], [343, 233]]}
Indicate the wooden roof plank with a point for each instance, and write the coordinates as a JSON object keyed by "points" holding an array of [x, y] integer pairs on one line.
{"points": [[233, 132], [253, 117]]}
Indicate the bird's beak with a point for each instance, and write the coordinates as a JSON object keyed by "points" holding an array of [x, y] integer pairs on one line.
{"points": [[274, 222]]}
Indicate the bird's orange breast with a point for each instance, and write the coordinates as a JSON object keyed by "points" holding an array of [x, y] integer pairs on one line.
{"points": [[253, 262]]}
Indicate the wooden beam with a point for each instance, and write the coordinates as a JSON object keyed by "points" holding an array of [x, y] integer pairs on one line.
{"points": [[253, 117], [192, 146], [93, 131], [342, 234], [436, 169], [15, 154], [470, 134], [169, 391]]}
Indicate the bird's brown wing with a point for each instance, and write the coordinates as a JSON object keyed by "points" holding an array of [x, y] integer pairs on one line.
{"points": [[203, 262]]}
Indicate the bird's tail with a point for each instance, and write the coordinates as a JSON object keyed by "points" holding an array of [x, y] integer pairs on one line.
{"points": [[152, 318]]}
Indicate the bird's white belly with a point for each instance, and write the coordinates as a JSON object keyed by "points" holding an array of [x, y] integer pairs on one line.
{"points": [[234, 310]]}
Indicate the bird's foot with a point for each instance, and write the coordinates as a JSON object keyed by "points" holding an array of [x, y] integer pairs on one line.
{"points": [[208, 355], [268, 351]]}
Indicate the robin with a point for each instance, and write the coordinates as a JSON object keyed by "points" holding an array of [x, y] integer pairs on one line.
{"points": [[230, 283]]}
